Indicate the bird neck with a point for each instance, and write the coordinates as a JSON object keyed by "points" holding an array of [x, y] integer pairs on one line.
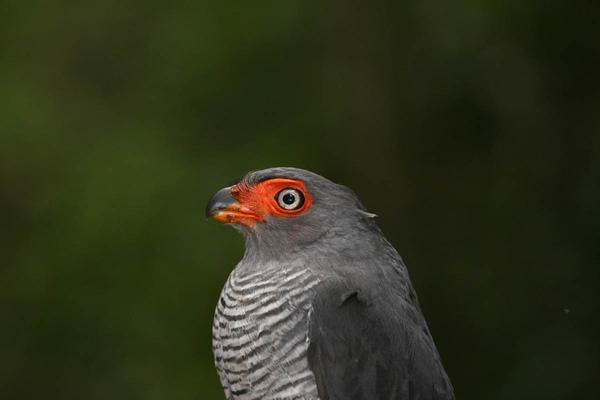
{"points": [[361, 239]]}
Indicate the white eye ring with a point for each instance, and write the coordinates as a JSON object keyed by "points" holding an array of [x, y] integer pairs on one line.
{"points": [[290, 199]]}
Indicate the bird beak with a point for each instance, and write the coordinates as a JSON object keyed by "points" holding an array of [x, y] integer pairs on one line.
{"points": [[225, 208]]}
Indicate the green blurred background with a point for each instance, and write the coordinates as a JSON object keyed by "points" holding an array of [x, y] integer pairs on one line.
{"points": [[470, 127]]}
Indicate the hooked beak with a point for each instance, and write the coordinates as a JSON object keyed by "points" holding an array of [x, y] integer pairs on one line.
{"points": [[224, 208]]}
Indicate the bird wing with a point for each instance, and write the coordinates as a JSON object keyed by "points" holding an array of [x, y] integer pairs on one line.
{"points": [[365, 347]]}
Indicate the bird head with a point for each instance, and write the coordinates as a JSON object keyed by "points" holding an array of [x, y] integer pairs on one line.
{"points": [[287, 207]]}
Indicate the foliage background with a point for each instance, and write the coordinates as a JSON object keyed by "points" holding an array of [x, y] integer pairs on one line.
{"points": [[470, 127]]}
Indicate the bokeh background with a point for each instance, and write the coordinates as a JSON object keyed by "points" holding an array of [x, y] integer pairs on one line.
{"points": [[471, 128]]}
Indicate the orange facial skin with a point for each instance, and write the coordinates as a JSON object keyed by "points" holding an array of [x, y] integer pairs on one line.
{"points": [[255, 203]]}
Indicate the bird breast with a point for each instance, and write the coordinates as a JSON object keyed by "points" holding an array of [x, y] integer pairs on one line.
{"points": [[260, 333]]}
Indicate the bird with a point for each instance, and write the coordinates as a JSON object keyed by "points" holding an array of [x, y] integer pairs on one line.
{"points": [[321, 306]]}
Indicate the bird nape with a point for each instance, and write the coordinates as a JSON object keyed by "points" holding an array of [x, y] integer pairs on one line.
{"points": [[321, 305]]}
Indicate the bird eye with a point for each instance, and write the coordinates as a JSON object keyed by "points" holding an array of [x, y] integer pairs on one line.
{"points": [[290, 199]]}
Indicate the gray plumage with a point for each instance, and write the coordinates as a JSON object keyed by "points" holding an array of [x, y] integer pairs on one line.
{"points": [[321, 307]]}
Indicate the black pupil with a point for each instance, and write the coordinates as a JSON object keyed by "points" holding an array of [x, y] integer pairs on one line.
{"points": [[289, 198]]}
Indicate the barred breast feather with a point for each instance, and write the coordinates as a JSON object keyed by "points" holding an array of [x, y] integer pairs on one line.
{"points": [[260, 333]]}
